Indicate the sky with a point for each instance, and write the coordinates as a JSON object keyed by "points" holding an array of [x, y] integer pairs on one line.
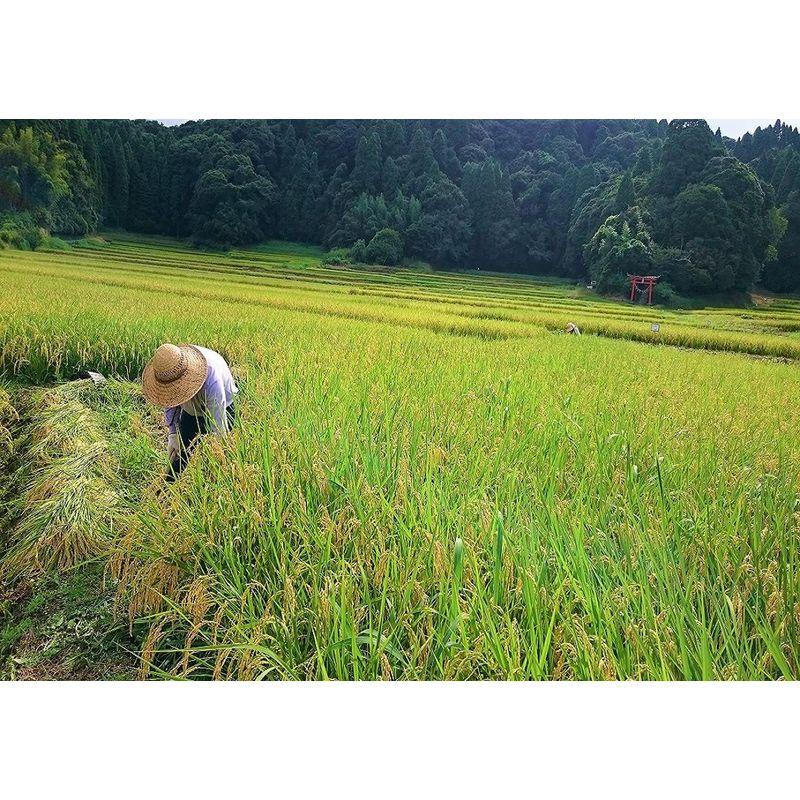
{"points": [[738, 127], [730, 127]]}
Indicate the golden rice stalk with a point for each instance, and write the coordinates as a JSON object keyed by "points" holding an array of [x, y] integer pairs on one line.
{"points": [[149, 648], [68, 503], [8, 416]]}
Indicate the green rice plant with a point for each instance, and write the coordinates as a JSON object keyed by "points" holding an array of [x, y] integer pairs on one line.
{"points": [[426, 481], [348, 511]]}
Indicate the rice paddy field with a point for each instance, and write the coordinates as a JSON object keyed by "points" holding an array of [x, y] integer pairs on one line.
{"points": [[428, 479]]}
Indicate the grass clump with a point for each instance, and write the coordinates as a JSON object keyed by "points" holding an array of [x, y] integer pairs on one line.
{"points": [[64, 627], [19, 231], [91, 243], [338, 257], [54, 244]]}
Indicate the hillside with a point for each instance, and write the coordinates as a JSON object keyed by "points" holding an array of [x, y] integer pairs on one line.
{"points": [[576, 198]]}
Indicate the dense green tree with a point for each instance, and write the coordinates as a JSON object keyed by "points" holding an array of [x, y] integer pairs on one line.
{"points": [[687, 149], [644, 162], [291, 223], [677, 269], [626, 194], [544, 192], [445, 156], [403, 212], [335, 200], [231, 204], [754, 237], [365, 217], [784, 274], [285, 139], [789, 178], [441, 231], [385, 248], [392, 178], [75, 211], [366, 175], [495, 226], [184, 161], [144, 189], [393, 138], [313, 206], [33, 170], [592, 208], [622, 246], [119, 183], [48, 180], [358, 252], [422, 166], [700, 211]]}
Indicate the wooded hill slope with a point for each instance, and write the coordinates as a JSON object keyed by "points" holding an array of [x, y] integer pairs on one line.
{"points": [[579, 198]]}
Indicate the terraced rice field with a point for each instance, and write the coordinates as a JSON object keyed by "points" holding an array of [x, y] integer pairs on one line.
{"points": [[428, 479]]}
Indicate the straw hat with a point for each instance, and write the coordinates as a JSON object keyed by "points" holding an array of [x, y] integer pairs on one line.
{"points": [[174, 375]]}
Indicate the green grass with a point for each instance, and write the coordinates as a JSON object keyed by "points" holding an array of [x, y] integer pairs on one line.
{"points": [[63, 627], [428, 481]]}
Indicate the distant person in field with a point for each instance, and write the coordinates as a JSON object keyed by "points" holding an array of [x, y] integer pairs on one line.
{"points": [[195, 386], [573, 329]]}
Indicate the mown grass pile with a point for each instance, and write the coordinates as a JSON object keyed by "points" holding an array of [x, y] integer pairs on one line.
{"points": [[425, 483], [73, 482]]}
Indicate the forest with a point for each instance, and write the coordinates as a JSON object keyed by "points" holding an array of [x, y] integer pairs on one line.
{"points": [[583, 199]]}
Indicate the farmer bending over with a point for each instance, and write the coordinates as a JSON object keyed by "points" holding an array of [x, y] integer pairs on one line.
{"points": [[195, 386], [572, 329]]}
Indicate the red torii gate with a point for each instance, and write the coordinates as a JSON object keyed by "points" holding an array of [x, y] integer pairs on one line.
{"points": [[648, 281]]}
